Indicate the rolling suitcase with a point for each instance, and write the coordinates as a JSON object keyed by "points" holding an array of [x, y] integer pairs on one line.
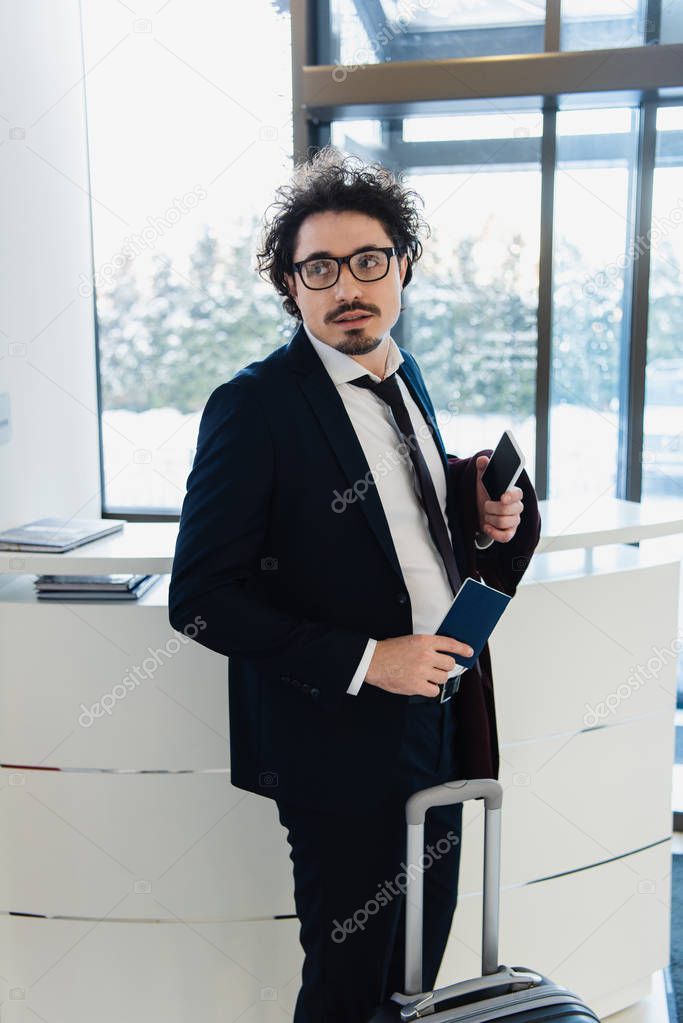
{"points": [[510, 993]]}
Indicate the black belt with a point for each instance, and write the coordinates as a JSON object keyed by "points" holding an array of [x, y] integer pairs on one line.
{"points": [[447, 690]]}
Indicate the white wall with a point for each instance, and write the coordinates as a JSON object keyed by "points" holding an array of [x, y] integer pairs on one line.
{"points": [[47, 357]]}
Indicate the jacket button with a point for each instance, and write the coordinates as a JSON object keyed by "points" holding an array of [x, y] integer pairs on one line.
{"points": [[315, 693], [402, 597]]}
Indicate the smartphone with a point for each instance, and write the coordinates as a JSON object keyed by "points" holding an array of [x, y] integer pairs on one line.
{"points": [[505, 465]]}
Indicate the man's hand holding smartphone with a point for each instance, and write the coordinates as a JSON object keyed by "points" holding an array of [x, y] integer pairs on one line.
{"points": [[499, 502]]}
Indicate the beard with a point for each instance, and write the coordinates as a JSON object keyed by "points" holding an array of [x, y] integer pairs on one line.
{"points": [[360, 344]]}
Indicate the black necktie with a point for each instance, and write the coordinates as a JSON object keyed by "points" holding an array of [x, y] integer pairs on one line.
{"points": [[389, 391]]}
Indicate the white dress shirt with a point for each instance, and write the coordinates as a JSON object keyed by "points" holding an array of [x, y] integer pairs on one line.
{"points": [[421, 563]]}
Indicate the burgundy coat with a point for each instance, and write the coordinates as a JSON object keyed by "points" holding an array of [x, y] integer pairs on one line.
{"points": [[502, 565]]}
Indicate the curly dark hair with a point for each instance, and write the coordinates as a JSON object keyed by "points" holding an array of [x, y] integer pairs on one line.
{"points": [[330, 180]]}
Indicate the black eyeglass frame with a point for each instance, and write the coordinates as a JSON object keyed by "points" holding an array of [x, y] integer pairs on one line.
{"points": [[389, 251]]}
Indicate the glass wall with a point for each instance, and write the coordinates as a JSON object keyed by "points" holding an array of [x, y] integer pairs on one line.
{"points": [[594, 180], [602, 24], [663, 421], [671, 22], [187, 143], [374, 31], [471, 310]]}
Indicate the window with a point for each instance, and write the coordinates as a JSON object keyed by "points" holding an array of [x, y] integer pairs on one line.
{"points": [[602, 25], [520, 311], [471, 309], [663, 421], [596, 156], [189, 137], [375, 31], [671, 22]]}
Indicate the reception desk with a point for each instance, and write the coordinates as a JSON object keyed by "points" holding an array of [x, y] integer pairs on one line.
{"points": [[136, 882]]}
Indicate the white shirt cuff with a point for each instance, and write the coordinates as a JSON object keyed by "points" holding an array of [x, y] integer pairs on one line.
{"points": [[483, 546], [361, 670]]}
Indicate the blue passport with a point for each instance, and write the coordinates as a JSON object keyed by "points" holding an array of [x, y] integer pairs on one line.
{"points": [[472, 617]]}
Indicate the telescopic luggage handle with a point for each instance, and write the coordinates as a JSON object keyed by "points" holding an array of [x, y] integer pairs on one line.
{"points": [[491, 791]]}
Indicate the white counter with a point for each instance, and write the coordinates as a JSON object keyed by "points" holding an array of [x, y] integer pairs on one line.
{"points": [[114, 823], [149, 546]]}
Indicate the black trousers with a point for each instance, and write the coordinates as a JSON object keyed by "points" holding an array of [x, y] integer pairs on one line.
{"points": [[350, 877]]}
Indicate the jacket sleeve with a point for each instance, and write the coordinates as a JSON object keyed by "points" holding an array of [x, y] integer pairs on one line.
{"points": [[501, 565], [216, 584]]}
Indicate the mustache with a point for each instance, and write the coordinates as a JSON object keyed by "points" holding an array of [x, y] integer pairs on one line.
{"points": [[351, 309]]}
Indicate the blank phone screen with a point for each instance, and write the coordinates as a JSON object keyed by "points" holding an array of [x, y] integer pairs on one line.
{"points": [[501, 469]]}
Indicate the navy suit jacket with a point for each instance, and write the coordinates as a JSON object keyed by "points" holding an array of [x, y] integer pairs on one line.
{"points": [[290, 582]]}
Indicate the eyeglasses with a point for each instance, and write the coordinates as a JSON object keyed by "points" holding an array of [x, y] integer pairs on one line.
{"points": [[369, 265]]}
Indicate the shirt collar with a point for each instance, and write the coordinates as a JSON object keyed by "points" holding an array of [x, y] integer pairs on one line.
{"points": [[342, 368]]}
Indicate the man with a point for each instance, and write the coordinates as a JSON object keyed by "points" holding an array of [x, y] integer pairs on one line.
{"points": [[322, 538]]}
